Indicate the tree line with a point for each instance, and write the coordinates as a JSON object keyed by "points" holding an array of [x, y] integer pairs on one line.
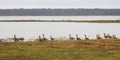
{"points": [[59, 12]]}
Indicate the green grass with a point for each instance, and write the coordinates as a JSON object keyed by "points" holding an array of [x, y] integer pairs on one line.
{"points": [[61, 50]]}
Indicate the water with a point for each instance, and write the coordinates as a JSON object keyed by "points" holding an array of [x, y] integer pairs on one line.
{"points": [[59, 17], [31, 30]]}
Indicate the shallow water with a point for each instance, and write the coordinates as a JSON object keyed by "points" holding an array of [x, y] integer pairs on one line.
{"points": [[59, 17], [31, 30]]}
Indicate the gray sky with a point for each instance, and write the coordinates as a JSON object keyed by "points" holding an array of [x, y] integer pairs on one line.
{"points": [[59, 3]]}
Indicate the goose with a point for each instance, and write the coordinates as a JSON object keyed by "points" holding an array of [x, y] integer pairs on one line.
{"points": [[71, 38], [77, 38], [86, 38], [51, 37]]}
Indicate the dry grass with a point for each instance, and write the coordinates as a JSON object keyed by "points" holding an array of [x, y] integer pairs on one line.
{"points": [[61, 50], [88, 21]]}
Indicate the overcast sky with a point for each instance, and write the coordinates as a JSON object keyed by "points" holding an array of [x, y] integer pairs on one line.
{"points": [[59, 3]]}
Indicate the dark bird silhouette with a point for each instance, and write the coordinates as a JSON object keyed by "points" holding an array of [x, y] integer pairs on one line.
{"points": [[21, 39], [105, 36], [44, 38], [109, 36], [98, 36], [114, 37], [15, 39], [70, 37], [40, 39], [77, 38], [51, 37], [86, 38], [18, 39]]}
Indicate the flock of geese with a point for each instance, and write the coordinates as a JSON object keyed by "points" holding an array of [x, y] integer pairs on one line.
{"points": [[43, 38], [106, 36]]}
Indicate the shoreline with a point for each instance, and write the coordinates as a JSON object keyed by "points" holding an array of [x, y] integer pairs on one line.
{"points": [[77, 21]]}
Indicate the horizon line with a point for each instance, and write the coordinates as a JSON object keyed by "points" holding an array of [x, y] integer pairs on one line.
{"points": [[59, 8]]}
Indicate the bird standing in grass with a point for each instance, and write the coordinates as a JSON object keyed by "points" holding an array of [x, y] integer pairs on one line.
{"points": [[77, 38], [86, 38], [70, 37], [51, 37], [44, 38]]}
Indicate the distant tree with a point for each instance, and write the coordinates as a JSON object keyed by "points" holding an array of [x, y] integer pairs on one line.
{"points": [[58, 12]]}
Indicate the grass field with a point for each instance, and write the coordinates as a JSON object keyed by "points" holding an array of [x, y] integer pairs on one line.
{"points": [[61, 50]]}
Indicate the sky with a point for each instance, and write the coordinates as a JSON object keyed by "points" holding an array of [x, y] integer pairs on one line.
{"points": [[59, 4]]}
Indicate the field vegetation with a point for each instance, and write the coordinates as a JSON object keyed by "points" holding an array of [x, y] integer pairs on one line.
{"points": [[77, 21], [61, 50]]}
